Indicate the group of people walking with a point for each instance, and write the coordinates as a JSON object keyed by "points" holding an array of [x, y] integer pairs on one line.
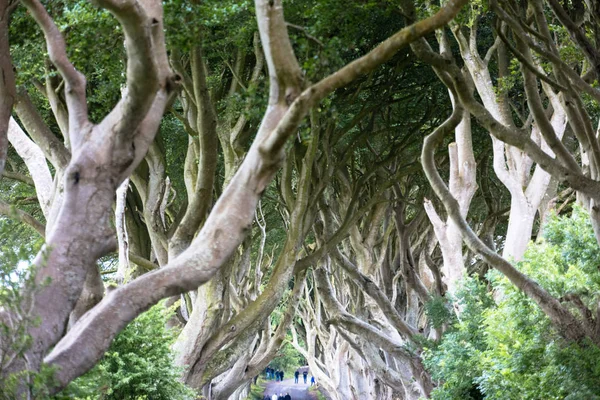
{"points": [[280, 397], [274, 374], [278, 375], [304, 375]]}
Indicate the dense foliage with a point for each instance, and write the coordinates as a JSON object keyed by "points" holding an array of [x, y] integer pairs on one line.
{"points": [[288, 360], [508, 349], [16, 248], [138, 365]]}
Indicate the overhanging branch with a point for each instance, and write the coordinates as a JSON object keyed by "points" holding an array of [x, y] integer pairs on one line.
{"points": [[232, 215], [566, 323], [74, 80]]}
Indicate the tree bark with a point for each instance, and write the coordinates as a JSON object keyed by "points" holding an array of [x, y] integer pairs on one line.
{"points": [[35, 161], [7, 83]]}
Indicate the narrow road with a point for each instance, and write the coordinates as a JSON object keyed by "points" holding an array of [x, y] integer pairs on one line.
{"points": [[298, 391]]}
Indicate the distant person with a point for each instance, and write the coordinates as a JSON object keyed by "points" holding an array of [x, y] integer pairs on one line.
{"points": [[281, 375], [287, 397], [296, 375], [312, 380], [305, 374]]}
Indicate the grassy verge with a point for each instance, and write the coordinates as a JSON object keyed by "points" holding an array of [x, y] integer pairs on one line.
{"points": [[315, 390], [257, 391]]}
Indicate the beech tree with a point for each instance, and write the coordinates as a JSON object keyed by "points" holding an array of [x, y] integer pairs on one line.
{"points": [[572, 318], [94, 159], [549, 123], [184, 152]]}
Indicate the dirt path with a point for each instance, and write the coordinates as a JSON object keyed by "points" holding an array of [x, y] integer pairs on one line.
{"points": [[298, 391]]}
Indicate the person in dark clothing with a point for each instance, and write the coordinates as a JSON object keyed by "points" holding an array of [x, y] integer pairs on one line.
{"points": [[281, 375], [312, 380], [287, 397], [305, 374], [296, 375]]}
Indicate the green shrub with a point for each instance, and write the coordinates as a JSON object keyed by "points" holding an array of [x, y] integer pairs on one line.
{"points": [[137, 366], [510, 350]]}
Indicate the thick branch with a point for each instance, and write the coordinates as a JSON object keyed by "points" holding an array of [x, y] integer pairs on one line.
{"points": [[262, 359], [285, 76], [506, 134], [578, 35], [20, 215], [18, 177], [74, 80], [566, 323], [35, 126], [534, 102], [36, 164], [379, 55], [518, 30], [7, 81], [142, 262], [206, 125], [375, 292], [339, 316], [142, 69]]}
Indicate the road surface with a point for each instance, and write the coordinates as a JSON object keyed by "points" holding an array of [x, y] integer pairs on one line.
{"points": [[298, 391]]}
